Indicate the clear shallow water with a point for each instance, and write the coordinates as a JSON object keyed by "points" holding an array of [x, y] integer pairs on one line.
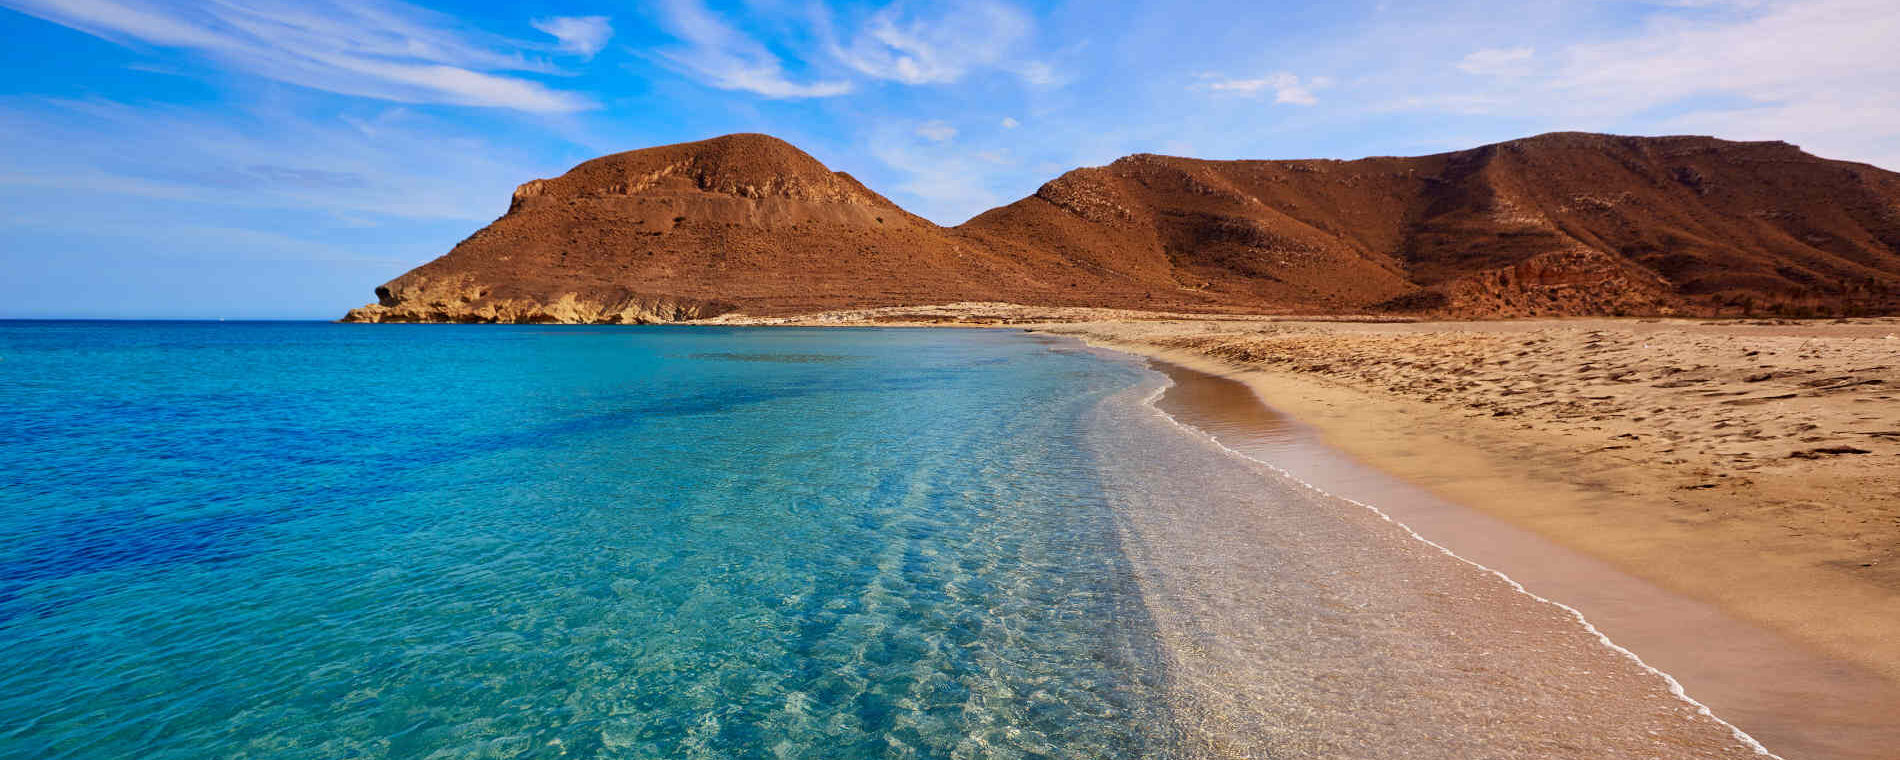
{"points": [[324, 541]]}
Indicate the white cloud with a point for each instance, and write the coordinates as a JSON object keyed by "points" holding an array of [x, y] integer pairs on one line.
{"points": [[369, 48], [1011, 123], [943, 183], [393, 164], [1820, 73], [1498, 61], [1720, 4], [1792, 51], [941, 48], [1472, 105], [1041, 74], [1286, 88], [936, 131], [720, 56], [912, 44], [580, 35], [1862, 129]]}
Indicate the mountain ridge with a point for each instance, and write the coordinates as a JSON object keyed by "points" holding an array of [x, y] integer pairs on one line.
{"points": [[1558, 224]]}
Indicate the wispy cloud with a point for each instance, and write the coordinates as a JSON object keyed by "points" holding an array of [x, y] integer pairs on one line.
{"points": [[368, 48], [1789, 52], [579, 35], [1820, 73], [942, 45], [391, 165], [221, 244], [1286, 87], [1498, 61], [944, 183], [720, 56], [905, 43], [1041, 74], [936, 130]]}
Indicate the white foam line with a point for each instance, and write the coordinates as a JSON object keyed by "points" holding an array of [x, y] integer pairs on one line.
{"points": [[1675, 687]]}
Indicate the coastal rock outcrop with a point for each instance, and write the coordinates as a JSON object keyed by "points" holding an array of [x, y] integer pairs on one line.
{"points": [[464, 300], [1558, 224]]}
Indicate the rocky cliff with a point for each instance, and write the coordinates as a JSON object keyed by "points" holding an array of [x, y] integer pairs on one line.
{"points": [[1559, 224]]}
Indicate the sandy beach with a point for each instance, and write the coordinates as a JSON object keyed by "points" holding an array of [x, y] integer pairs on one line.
{"points": [[1739, 482], [1752, 465], [1294, 623]]}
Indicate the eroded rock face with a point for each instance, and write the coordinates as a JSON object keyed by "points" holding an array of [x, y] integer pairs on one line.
{"points": [[1570, 282], [1560, 224], [1086, 197], [465, 301]]}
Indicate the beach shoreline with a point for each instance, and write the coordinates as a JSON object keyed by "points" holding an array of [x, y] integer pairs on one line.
{"points": [[1629, 513], [1293, 622], [1801, 703], [1751, 464], [1748, 468]]}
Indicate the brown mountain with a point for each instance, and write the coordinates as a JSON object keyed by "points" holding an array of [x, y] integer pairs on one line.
{"points": [[1559, 224]]}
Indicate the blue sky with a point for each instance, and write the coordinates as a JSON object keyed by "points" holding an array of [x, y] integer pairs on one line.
{"points": [[262, 159]]}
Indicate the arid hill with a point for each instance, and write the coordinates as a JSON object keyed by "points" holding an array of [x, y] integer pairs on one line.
{"points": [[1559, 224]]}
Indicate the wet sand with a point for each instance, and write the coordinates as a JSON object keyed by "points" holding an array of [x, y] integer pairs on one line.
{"points": [[1799, 703], [1296, 624]]}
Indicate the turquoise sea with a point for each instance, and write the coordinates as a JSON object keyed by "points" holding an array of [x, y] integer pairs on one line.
{"points": [[307, 540]]}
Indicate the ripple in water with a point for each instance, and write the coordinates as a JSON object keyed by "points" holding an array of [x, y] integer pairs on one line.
{"points": [[331, 541]]}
